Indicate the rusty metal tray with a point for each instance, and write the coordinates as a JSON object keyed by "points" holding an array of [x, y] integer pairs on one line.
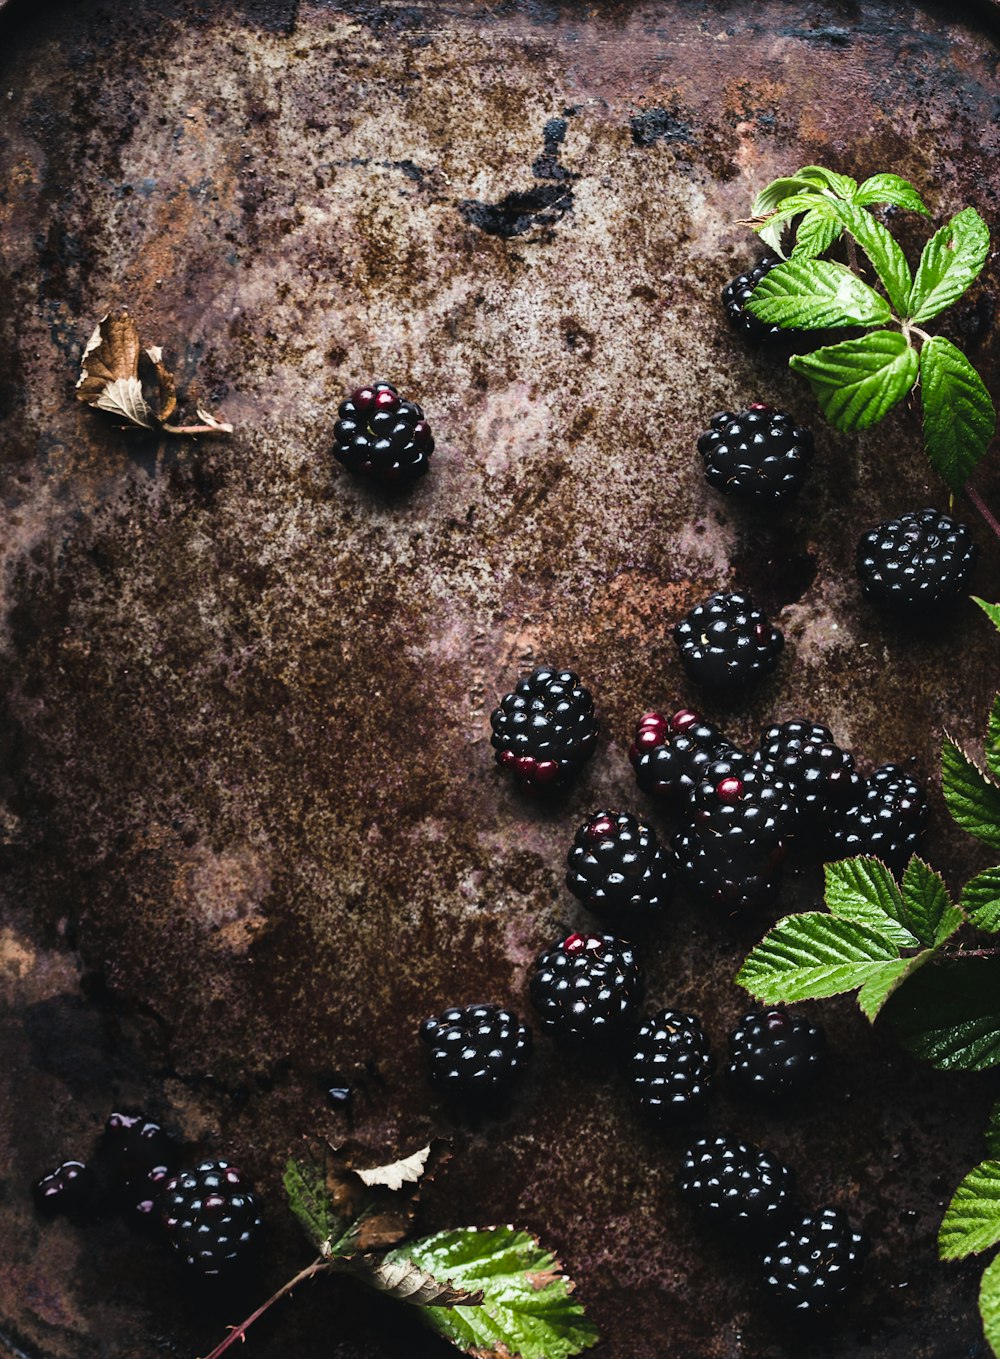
{"points": [[250, 831]]}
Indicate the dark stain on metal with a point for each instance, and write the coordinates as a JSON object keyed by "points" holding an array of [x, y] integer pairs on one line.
{"points": [[658, 125]]}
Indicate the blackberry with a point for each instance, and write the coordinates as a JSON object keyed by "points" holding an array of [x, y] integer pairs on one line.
{"points": [[821, 775], [70, 1188], [733, 1184], [772, 1054], [758, 455], [588, 986], [381, 436], [816, 1263], [886, 818], [618, 869], [726, 643], [735, 297], [669, 754], [546, 729], [918, 561], [476, 1049], [211, 1217], [142, 1156], [672, 1063]]}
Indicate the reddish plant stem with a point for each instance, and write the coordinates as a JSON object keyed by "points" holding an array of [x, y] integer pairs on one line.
{"points": [[238, 1332], [976, 953], [983, 509]]}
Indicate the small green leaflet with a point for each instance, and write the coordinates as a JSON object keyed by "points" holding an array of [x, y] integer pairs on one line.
{"points": [[989, 1304], [949, 1014], [875, 992], [992, 611], [972, 1220], [973, 800], [527, 1309], [993, 740], [768, 200], [815, 233], [929, 911], [308, 1199], [859, 381], [842, 185], [981, 900], [952, 258], [959, 419], [815, 295], [863, 890], [805, 957], [886, 188], [882, 249]]}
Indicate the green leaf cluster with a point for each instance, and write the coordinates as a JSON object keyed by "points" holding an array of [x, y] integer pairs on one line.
{"points": [[971, 1225], [858, 381]]}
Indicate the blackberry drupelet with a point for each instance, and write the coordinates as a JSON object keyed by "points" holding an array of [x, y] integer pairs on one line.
{"points": [[211, 1217], [773, 1054], [727, 644], [476, 1050], [588, 986], [671, 1064], [920, 560], [70, 1188], [733, 1184], [381, 436], [141, 1156], [758, 455], [669, 754], [886, 818], [816, 1264], [821, 775], [546, 729], [618, 869], [735, 297]]}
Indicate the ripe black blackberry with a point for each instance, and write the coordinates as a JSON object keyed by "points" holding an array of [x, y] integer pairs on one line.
{"points": [[476, 1050], [733, 1184], [918, 561], [546, 729], [618, 869], [758, 455], [727, 644], [821, 775], [773, 1054], [816, 1263], [671, 1064], [381, 436], [588, 986], [886, 818], [669, 754], [211, 1217], [70, 1188], [141, 1156], [736, 295]]}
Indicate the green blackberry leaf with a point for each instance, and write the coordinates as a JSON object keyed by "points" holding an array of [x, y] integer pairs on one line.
{"points": [[857, 382], [981, 900], [526, 1308], [949, 1014], [793, 206], [842, 185], [971, 1221], [883, 251], [305, 1185], [890, 189], [928, 909], [989, 1304], [993, 740], [805, 957], [952, 258], [765, 203], [992, 1133], [959, 419], [973, 800], [863, 890], [875, 992], [815, 233], [992, 611], [815, 295]]}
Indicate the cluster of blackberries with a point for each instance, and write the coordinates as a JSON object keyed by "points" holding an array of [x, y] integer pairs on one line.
{"points": [[382, 437], [738, 811], [209, 1213]]}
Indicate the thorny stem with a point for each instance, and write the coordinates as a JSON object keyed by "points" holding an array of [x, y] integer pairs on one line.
{"points": [[976, 953], [238, 1332], [983, 509]]}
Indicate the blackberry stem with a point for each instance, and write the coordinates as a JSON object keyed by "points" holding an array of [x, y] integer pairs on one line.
{"points": [[983, 509], [238, 1332]]}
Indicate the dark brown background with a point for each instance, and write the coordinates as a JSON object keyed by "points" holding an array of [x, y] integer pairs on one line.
{"points": [[251, 832]]}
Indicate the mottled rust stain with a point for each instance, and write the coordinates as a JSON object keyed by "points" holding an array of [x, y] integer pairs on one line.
{"points": [[249, 825]]}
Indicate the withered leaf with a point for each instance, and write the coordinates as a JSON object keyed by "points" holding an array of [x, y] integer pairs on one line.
{"points": [[407, 1282], [163, 398], [406, 1171]]}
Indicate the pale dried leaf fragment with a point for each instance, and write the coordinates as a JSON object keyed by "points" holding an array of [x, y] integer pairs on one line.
{"points": [[407, 1282], [406, 1171]]}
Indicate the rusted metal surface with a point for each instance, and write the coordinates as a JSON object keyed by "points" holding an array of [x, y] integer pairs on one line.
{"points": [[251, 829]]}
